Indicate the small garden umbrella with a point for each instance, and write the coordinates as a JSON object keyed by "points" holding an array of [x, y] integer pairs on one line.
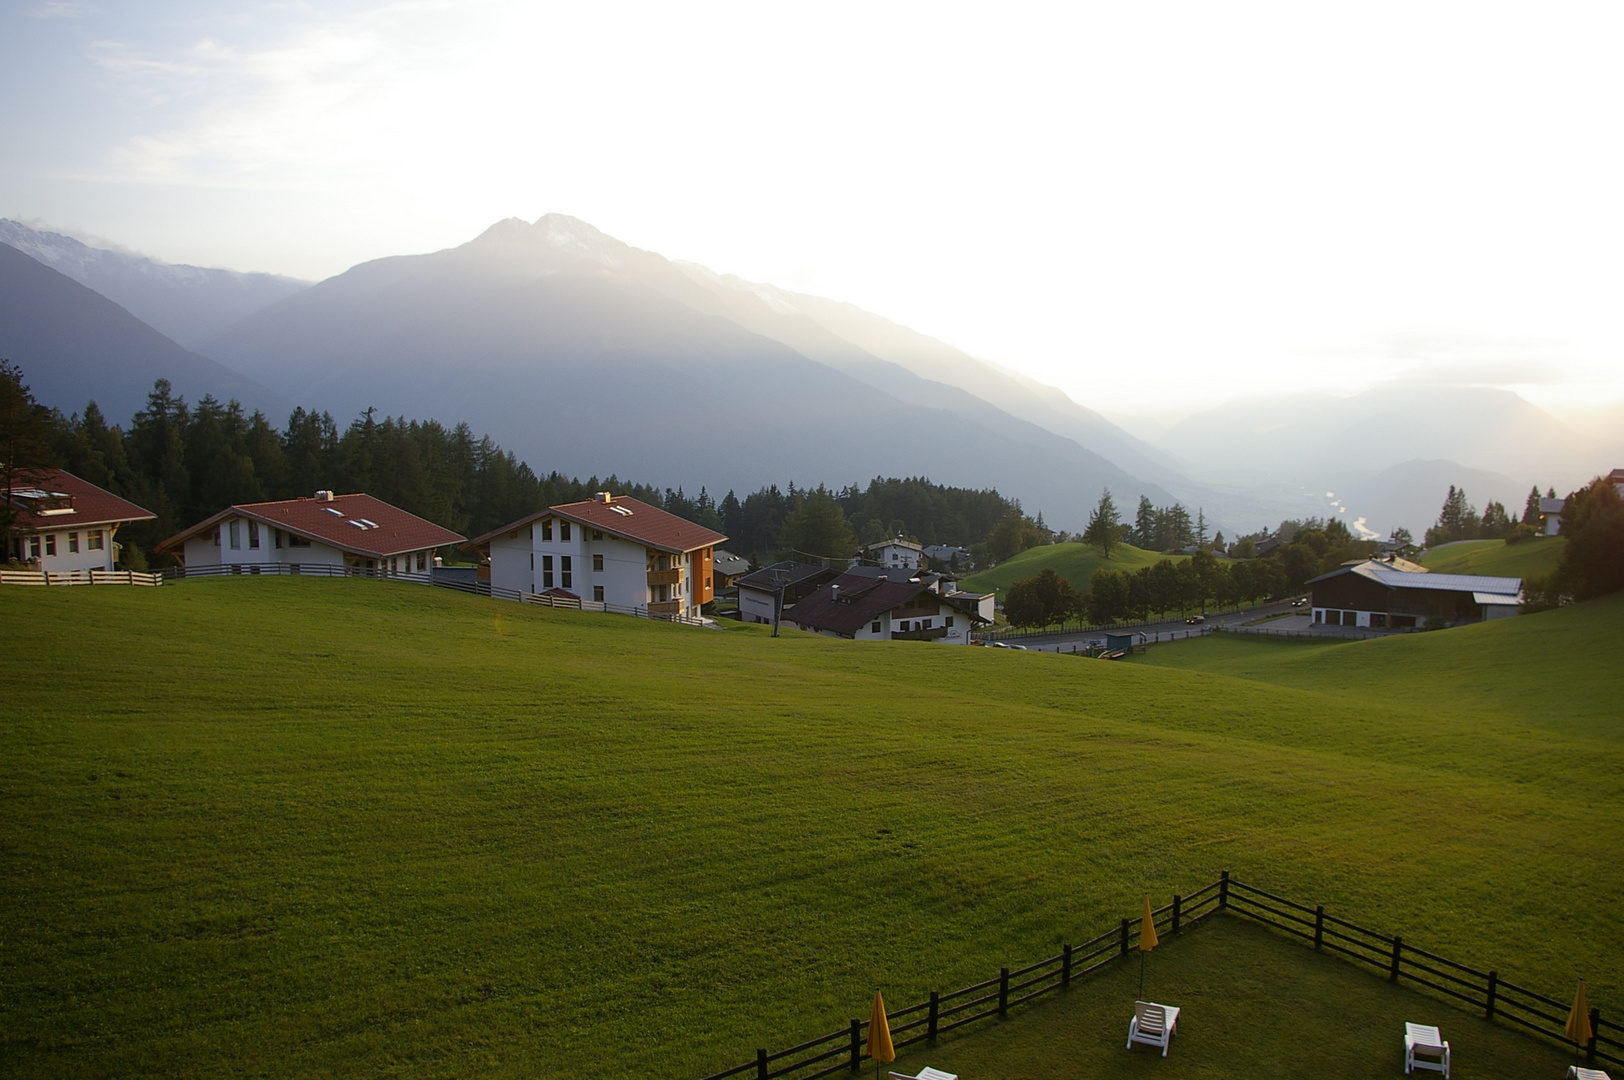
{"points": [[1579, 1019], [1147, 942], [879, 1035]]}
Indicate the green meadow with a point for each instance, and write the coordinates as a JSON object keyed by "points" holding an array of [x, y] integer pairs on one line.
{"points": [[1496, 558], [283, 827], [1074, 562]]}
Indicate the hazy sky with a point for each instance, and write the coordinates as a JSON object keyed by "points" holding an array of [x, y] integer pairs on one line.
{"points": [[1152, 206]]}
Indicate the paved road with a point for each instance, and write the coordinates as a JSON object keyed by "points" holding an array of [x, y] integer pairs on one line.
{"points": [[1154, 632]]}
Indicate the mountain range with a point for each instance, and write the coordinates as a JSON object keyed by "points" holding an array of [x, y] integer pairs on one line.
{"points": [[584, 354]]}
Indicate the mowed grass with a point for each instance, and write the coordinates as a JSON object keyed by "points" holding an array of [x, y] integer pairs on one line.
{"points": [[276, 827], [1074, 562], [1496, 558]]}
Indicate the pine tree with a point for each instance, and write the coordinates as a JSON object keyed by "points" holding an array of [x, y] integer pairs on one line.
{"points": [[1530, 514], [1144, 524], [1103, 524]]}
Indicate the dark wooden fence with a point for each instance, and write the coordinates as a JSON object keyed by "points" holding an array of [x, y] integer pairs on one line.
{"points": [[993, 998]]}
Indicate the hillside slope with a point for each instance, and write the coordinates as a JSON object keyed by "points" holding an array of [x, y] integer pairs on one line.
{"points": [[75, 345], [1496, 558], [277, 839], [1074, 562]]}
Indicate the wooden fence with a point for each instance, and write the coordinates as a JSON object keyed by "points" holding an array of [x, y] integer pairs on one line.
{"points": [[78, 577], [993, 998]]}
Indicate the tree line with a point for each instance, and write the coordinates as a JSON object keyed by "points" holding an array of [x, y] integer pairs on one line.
{"points": [[1170, 585], [185, 462]]}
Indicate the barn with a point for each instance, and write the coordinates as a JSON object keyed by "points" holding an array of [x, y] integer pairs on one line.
{"points": [[1380, 596]]}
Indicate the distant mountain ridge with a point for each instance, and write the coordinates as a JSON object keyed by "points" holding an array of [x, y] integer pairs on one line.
{"points": [[582, 353], [188, 304], [75, 345]]}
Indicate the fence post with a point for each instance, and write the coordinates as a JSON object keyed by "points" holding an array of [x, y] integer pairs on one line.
{"points": [[761, 1064], [857, 1043], [1590, 1047], [1319, 925], [1175, 913], [935, 1015], [1223, 889], [1124, 941], [1398, 944], [1003, 991], [1488, 1003], [1065, 967]]}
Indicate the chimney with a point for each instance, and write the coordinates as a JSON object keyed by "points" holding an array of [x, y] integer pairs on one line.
{"points": [[324, 495], [603, 497], [834, 594]]}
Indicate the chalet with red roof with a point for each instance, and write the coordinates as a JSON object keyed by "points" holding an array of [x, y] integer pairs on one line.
{"points": [[355, 531], [609, 548], [63, 523]]}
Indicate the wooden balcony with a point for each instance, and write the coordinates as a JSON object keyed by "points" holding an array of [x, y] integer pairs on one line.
{"points": [[933, 634], [665, 577], [665, 607]]}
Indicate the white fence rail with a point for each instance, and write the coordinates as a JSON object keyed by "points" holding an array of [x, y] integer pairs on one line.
{"points": [[78, 577]]}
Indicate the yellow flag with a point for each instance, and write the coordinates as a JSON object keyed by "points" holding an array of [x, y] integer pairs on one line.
{"points": [[879, 1032], [1147, 928], [1579, 1018]]}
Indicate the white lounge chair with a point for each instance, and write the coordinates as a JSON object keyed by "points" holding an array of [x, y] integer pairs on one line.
{"points": [[1420, 1042], [927, 1073], [1576, 1073], [1152, 1024]]}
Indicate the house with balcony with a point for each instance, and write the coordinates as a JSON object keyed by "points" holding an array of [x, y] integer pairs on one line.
{"points": [[895, 554], [867, 604], [610, 549], [356, 532], [62, 523]]}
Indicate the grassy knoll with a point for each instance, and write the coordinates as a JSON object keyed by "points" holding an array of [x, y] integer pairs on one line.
{"points": [[1496, 558], [1074, 562], [275, 827], [1253, 1003]]}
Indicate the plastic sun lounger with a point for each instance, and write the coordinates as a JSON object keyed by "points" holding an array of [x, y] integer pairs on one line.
{"points": [[1576, 1073], [1153, 1024], [927, 1073], [1422, 1041]]}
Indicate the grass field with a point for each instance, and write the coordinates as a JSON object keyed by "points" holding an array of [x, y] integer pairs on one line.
{"points": [[278, 827], [1496, 558], [1074, 562]]}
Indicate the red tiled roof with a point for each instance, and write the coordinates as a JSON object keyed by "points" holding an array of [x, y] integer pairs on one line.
{"points": [[626, 517], [91, 505], [395, 530]]}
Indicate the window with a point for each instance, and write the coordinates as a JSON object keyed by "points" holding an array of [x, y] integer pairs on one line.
{"points": [[73, 541], [33, 547], [597, 564], [236, 534], [423, 561], [874, 627], [217, 536], [298, 541], [95, 539], [597, 534], [564, 575], [276, 537], [253, 534], [547, 529], [50, 543], [597, 593], [564, 531], [546, 571], [532, 560], [949, 622]]}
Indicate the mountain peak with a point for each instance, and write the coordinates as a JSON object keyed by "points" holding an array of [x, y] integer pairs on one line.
{"points": [[558, 233]]}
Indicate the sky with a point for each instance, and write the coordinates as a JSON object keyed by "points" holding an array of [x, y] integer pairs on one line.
{"points": [[1155, 207]]}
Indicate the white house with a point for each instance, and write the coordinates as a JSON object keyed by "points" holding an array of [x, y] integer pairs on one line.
{"points": [[63, 523], [610, 548], [895, 554], [866, 604], [761, 590], [355, 531]]}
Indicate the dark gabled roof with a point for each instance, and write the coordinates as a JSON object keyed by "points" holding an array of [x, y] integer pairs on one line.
{"points": [[859, 601], [87, 504], [625, 517], [728, 564], [788, 574], [1393, 578], [358, 524]]}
